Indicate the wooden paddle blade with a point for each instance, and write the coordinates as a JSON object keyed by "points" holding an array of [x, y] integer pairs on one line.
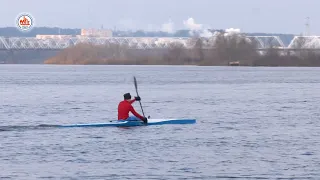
{"points": [[136, 86], [135, 82]]}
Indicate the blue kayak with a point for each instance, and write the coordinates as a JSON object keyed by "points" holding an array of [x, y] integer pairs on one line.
{"points": [[133, 123]]}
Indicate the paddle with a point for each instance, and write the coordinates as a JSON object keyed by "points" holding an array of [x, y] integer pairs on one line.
{"points": [[136, 86]]}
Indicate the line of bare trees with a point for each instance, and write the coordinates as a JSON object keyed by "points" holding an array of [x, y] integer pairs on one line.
{"points": [[226, 50]]}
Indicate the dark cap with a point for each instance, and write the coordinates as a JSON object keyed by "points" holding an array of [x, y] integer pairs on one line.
{"points": [[127, 96]]}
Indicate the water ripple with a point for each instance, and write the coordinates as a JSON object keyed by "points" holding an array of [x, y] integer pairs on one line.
{"points": [[252, 123]]}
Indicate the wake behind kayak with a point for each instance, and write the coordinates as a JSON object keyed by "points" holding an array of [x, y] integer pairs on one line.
{"points": [[24, 128]]}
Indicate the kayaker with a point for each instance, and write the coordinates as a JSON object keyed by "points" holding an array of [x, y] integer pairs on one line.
{"points": [[125, 107]]}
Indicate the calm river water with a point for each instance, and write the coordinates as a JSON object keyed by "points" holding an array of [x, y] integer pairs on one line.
{"points": [[252, 123]]}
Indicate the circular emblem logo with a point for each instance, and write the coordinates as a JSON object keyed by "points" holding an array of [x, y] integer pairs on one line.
{"points": [[24, 22]]}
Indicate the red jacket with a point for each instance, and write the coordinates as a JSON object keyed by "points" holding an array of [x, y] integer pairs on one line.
{"points": [[124, 108]]}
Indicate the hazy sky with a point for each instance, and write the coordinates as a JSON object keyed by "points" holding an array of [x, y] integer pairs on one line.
{"points": [[273, 16]]}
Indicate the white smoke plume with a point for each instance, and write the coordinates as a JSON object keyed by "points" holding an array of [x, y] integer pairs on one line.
{"points": [[168, 27], [231, 31], [206, 33], [196, 29], [190, 24]]}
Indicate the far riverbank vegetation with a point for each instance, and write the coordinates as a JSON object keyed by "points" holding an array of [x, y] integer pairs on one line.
{"points": [[225, 51]]}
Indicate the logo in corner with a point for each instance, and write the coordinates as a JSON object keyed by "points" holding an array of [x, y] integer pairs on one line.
{"points": [[24, 22]]}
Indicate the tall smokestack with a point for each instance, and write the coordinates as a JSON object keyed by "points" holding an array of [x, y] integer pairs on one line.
{"points": [[307, 30]]}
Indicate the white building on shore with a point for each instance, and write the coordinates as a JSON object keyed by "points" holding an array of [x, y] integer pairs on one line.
{"points": [[85, 33]]}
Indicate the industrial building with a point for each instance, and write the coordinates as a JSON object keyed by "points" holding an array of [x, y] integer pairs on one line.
{"points": [[45, 36], [96, 32], [84, 34]]}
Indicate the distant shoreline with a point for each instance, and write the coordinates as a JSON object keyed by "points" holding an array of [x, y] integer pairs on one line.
{"points": [[165, 65], [158, 65], [245, 55]]}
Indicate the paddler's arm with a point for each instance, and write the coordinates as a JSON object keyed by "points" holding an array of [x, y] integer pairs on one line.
{"points": [[135, 113], [135, 99], [132, 101]]}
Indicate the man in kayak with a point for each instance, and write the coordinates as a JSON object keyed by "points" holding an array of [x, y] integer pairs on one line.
{"points": [[125, 107]]}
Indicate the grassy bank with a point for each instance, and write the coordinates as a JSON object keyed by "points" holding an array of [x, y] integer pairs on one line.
{"points": [[224, 52]]}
